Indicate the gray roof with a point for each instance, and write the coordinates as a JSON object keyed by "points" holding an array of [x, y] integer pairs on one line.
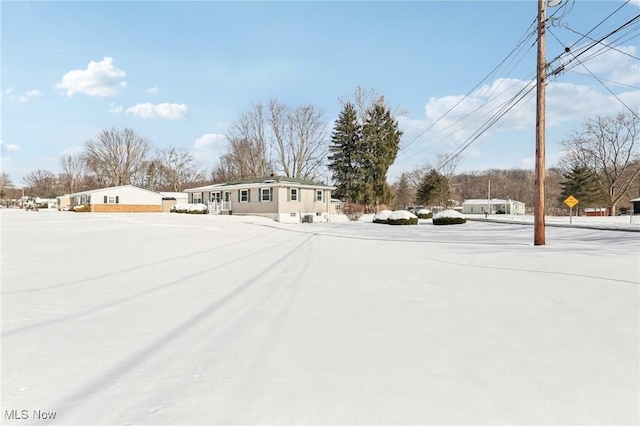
{"points": [[265, 181]]}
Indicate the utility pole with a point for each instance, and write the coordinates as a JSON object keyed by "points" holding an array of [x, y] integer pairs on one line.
{"points": [[538, 205]]}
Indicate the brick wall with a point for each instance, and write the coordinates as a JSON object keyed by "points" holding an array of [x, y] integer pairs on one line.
{"points": [[126, 208]]}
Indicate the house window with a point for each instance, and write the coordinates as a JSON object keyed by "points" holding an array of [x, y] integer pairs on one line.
{"points": [[293, 194], [197, 198], [266, 194], [111, 200], [243, 195], [319, 195]]}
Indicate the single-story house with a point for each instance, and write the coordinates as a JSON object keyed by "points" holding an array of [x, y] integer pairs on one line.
{"points": [[280, 198], [122, 199], [492, 206]]}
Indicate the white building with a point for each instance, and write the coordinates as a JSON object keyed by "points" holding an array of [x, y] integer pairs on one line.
{"points": [[492, 206], [127, 198]]}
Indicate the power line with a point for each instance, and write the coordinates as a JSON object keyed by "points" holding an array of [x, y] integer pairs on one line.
{"points": [[508, 106]]}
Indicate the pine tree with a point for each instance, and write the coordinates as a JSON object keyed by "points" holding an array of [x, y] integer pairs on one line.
{"points": [[435, 189], [583, 185], [364, 144], [345, 157], [381, 142]]}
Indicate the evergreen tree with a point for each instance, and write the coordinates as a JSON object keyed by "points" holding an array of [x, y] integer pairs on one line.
{"points": [[345, 157], [435, 189], [583, 185], [381, 142], [362, 152]]}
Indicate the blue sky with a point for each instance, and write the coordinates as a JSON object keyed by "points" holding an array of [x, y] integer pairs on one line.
{"points": [[179, 73]]}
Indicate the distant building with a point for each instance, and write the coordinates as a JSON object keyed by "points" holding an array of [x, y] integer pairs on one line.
{"points": [[493, 206], [636, 205], [596, 211]]}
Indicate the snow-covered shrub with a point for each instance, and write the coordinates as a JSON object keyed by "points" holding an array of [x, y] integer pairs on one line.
{"points": [[382, 216], [189, 208], [449, 217], [198, 209], [82, 208], [402, 217], [424, 214]]}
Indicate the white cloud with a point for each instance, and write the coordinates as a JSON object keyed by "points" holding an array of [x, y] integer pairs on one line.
{"points": [[209, 140], [98, 79], [153, 90], [164, 111], [209, 147], [115, 109], [26, 97], [6, 149]]}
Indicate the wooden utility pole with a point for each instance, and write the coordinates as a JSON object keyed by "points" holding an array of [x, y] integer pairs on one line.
{"points": [[538, 205]]}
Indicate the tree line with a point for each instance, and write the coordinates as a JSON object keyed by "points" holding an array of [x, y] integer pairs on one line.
{"points": [[600, 166]]}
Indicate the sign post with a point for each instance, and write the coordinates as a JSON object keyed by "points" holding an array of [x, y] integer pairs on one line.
{"points": [[571, 201]]}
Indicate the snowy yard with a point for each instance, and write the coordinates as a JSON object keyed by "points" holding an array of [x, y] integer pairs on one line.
{"points": [[154, 319]]}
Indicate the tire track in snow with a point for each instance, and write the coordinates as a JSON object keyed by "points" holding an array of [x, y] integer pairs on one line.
{"points": [[73, 401], [111, 304], [135, 268], [263, 311]]}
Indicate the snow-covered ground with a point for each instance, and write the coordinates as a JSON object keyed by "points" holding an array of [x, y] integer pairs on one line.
{"points": [[118, 319], [625, 222]]}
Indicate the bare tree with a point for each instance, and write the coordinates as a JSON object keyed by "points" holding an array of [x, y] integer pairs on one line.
{"points": [[404, 193], [608, 146], [179, 167], [5, 183], [151, 175], [247, 151], [116, 156], [74, 172], [5, 180], [300, 143], [41, 183]]}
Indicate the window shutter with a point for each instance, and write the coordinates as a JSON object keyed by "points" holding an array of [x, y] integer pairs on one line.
{"points": [[271, 194], [105, 199], [239, 196], [299, 192], [288, 194], [117, 199], [248, 195]]}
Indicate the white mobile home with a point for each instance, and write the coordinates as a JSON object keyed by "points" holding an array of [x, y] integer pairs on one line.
{"points": [[493, 206], [123, 199]]}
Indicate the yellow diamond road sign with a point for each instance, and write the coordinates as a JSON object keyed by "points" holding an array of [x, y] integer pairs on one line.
{"points": [[571, 201]]}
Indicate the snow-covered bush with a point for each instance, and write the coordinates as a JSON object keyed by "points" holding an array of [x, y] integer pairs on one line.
{"points": [[424, 214], [402, 217], [449, 217], [189, 208], [82, 208], [382, 216]]}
